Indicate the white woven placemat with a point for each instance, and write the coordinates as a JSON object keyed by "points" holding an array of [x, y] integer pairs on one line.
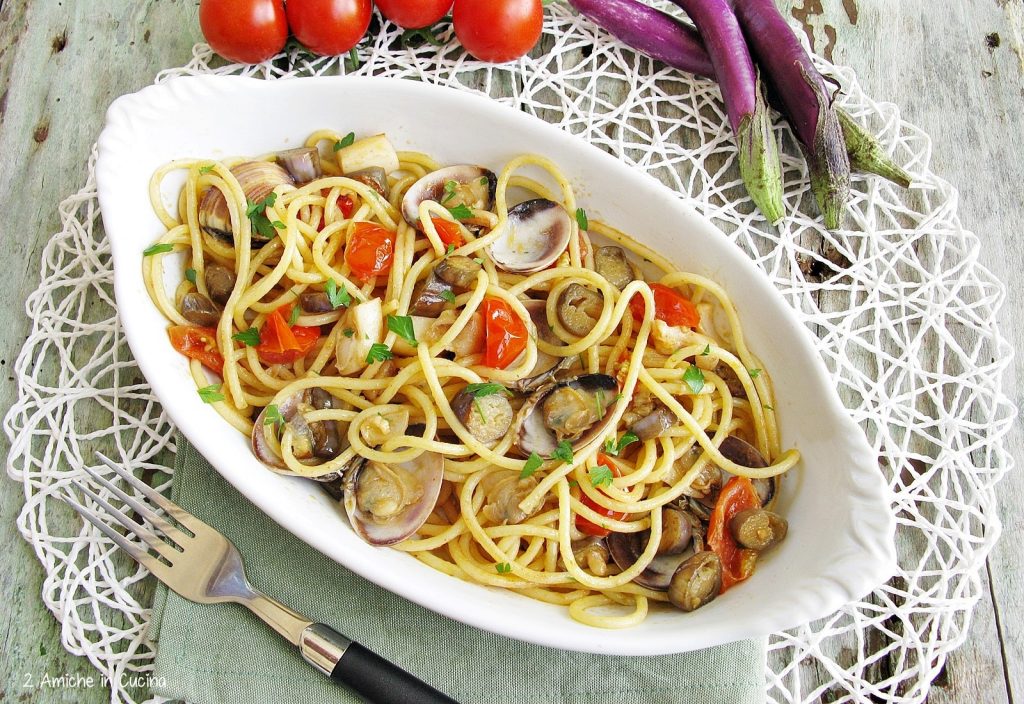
{"points": [[903, 312]]}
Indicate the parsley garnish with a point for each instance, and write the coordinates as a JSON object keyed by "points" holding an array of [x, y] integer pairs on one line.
{"points": [[449, 249], [337, 295], [256, 211], [272, 415], [293, 317], [401, 325], [611, 447], [479, 409], [157, 249], [599, 403], [767, 407], [503, 568], [478, 260], [190, 274], [600, 476], [581, 219], [448, 295], [379, 352], [694, 378], [533, 463], [206, 169], [619, 396], [346, 141], [449, 191], [348, 332], [251, 337], [486, 389], [211, 393], [461, 212], [707, 351], [754, 373], [484, 181], [563, 452]]}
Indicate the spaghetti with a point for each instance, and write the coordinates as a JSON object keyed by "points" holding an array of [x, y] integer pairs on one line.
{"points": [[489, 384]]}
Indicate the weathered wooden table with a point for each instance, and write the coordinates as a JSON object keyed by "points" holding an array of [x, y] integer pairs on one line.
{"points": [[955, 68]]}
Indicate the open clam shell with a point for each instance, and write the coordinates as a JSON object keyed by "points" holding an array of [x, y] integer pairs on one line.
{"points": [[388, 503], [577, 410], [452, 186], [314, 442], [535, 236], [257, 179]]}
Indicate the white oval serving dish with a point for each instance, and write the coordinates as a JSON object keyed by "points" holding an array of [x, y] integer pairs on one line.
{"points": [[840, 542]]}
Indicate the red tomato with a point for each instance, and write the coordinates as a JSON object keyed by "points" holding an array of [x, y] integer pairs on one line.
{"points": [[197, 343], [737, 495], [370, 249], [247, 31], [448, 232], [413, 14], [498, 31], [504, 333], [346, 205], [329, 27], [281, 343], [669, 306], [586, 526]]}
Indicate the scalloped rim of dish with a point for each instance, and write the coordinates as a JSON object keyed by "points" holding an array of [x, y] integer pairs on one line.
{"points": [[859, 530]]}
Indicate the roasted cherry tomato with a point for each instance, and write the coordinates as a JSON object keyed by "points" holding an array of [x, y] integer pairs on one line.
{"points": [[247, 31], [197, 343], [370, 250], [413, 14], [505, 333], [284, 344], [586, 526], [498, 31], [345, 204], [329, 27], [737, 495], [669, 306], [448, 232]]}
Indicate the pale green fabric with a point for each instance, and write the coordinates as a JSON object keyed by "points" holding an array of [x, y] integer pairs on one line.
{"points": [[210, 654]]}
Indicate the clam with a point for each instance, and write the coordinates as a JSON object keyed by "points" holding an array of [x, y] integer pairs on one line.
{"points": [[547, 365], [301, 163], [312, 443], [654, 424], [758, 529], [388, 503], [257, 179], [452, 186], [680, 534], [504, 491], [698, 581], [576, 410], [535, 236]]}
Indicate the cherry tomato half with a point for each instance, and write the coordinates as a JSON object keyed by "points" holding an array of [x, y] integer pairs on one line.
{"points": [[669, 306], [281, 343], [370, 250], [247, 31], [197, 343], [589, 527], [498, 31], [448, 232], [737, 495], [413, 14], [505, 333], [329, 27]]}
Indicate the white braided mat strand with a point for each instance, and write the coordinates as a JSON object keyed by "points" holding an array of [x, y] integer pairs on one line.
{"points": [[903, 312]]}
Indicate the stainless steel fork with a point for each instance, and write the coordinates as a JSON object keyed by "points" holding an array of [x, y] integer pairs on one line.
{"points": [[201, 565]]}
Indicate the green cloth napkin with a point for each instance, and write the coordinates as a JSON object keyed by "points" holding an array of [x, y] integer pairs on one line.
{"points": [[217, 653]]}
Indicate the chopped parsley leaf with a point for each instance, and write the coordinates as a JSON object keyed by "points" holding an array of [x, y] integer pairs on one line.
{"points": [[478, 260], [211, 393], [707, 351], [271, 415], [448, 295], [533, 463], [379, 352], [206, 169], [503, 568], [337, 295], [754, 373], [461, 212], [348, 332], [401, 325], [770, 408], [694, 378], [487, 389], [563, 452], [600, 476], [256, 211], [157, 249], [449, 190], [479, 409], [581, 219], [345, 141], [250, 337], [190, 274], [484, 181], [293, 317], [449, 249], [611, 447]]}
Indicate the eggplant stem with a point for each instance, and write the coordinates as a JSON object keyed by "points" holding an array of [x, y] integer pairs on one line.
{"points": [[866, 152], [760, 165], [827, 158]]}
